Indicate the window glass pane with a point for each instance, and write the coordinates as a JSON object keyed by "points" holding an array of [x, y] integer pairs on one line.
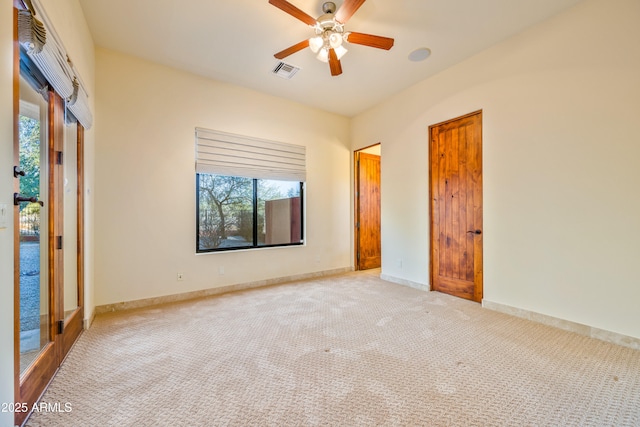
{"points": [[33, 225], [70, 201], [225, 212], [279, 212]]}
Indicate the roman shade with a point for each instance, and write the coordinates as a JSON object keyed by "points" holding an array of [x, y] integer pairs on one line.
{"points": [[228, 154], [78, 105], [38, 41], [45, 53]]}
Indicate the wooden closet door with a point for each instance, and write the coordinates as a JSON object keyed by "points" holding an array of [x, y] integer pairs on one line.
{"points": [[455, 153], [368, 238]]}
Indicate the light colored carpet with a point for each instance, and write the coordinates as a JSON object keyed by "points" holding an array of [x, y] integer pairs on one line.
{"points": [[350, 350]]}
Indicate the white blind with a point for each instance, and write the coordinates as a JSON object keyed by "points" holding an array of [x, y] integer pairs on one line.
{"points": [[48, 54], [236, 155], [78, 104], [31, 32]]}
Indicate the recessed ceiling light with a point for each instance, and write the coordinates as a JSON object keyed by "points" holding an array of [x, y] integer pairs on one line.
{"points": [[420, 54]]}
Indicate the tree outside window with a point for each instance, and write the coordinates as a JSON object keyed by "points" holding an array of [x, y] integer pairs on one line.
{"points": [[239, 213]]}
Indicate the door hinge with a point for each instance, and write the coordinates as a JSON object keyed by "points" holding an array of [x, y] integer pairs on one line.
{"points": [[58, 157], [358, 224], [60, 326], [58, 242]]}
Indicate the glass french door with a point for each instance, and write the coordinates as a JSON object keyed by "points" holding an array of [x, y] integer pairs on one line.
{"points": [[33, 228], [48, 236]]}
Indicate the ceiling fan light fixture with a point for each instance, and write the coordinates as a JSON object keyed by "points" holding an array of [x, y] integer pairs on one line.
{"points": [[323, 55], [327, 44], [322, 46], [315, 43], [335, 40], [340, 51]]}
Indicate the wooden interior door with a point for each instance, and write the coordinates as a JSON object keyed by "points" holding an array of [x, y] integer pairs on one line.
{"points": [[455, 180], [368, 241]]}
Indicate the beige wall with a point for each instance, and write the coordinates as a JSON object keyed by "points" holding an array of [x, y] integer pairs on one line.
{"points": [[145, 181], [6, 190], [560, 105]]}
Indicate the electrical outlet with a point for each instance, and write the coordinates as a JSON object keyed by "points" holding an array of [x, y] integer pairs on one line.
{"points": [[180, 276], [221, 270]]}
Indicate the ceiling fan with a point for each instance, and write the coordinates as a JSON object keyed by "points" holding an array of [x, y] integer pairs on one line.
{"points": [[330, 33]]}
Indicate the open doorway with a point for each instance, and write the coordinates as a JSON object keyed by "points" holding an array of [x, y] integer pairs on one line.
{"points": [[368, 247]]}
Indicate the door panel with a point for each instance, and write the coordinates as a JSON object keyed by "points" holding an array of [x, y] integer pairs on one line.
{"points": [[72, 311], [455, 152], [70, 231], [368, 211], [33, 250], [36, 350], [46, 324]]}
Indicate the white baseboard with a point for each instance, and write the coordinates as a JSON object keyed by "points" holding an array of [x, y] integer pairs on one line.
{"points": [[89, 320], [141, 303], [405, 282], [578, 328]]}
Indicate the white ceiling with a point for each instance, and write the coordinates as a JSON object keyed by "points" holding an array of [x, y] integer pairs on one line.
{"points": [[234, 41]]}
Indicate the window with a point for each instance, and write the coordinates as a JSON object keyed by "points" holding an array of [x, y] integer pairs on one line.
{"points": [[240, 213], [249, 192]]}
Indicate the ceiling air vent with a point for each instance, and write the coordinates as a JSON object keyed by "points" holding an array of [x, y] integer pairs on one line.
{"points": [[284, 70]]}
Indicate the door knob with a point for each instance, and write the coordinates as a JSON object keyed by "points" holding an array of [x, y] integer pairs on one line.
{"points": [[475, 231], [18, 198], [17, 171]]}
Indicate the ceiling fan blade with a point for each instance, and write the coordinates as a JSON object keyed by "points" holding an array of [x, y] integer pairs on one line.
{"points": [[285, 6], [334, 63], [346, 11], [370, 40], [293, 49]]}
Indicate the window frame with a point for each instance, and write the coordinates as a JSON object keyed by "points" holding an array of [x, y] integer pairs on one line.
{"points": [[255, 243]]}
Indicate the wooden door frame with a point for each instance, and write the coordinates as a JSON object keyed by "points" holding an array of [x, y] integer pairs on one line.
{"points": [[356, 204], [16, 218], [73, 324], [37, 376], [479, 293]]}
